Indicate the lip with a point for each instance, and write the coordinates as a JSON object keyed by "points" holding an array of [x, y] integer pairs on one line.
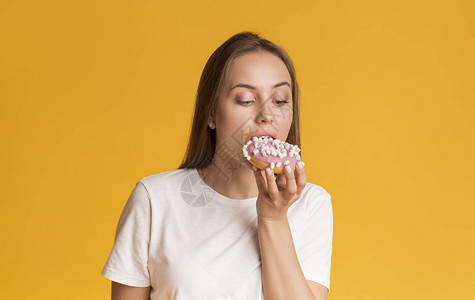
{"points": [[268, 133]]}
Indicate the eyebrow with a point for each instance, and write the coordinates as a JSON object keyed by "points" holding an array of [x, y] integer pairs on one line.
{"points": [[247, 86]]}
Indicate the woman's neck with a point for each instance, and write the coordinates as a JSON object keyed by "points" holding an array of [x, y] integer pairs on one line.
{"points": [[237, 183]]}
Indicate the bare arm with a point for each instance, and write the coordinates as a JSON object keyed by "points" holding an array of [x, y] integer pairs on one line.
{"points": [[320, 291], [125, 292], [282, 277]]}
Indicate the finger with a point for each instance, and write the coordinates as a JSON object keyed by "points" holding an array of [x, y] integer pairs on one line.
{"points": [[291, 188], [281, 182], [271, 184], [301, 177], [261, 184]]}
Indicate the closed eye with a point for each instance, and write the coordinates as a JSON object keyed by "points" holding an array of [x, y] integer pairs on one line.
{"points": [[282, 102], [278, 102], [245, 103]]}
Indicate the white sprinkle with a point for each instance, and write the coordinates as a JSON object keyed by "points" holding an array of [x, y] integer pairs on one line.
{"points": [[297, 157], [248, 157], [255, 139], [272, 165], [268, 151], [303, 164], [278, 164], [286, 162], [255, 151], [245, 146], [287, 146]]}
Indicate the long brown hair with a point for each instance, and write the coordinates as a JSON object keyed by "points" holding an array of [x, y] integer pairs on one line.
{"points": [[202, 143]]}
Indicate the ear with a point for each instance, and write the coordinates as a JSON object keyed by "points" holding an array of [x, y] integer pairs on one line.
{"points": [[211, 123], [212, 119], [212, 114]]}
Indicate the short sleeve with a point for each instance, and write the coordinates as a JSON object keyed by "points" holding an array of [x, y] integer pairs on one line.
{"points": [[128, 260], [315, 249]]}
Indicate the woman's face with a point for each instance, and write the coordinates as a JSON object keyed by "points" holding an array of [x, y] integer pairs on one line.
{"points": [[256, 97]]}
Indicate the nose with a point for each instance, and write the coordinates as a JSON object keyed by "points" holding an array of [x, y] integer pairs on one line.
{"points": [[265, 115]]}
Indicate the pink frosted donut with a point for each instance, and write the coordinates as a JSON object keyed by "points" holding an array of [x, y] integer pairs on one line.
{"points": [[265, 152]]}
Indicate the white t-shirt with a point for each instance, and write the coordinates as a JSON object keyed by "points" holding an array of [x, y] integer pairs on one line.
{"points": [[187, 241]]}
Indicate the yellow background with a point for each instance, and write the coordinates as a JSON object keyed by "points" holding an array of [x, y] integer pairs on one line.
{"points": [[96, 95]]}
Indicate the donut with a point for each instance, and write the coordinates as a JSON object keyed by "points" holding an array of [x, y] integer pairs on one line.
{"points": [[265, 151]]}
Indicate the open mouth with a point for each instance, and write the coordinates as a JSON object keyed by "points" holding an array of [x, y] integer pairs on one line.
{"points": [[264, 136]]}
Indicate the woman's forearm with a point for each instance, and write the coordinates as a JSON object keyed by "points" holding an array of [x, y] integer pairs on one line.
{"points": [[282, 277]]}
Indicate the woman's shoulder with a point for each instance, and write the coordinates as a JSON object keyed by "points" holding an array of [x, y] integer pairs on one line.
{"points": [[315, 190], [167, 178], [316, 200]]}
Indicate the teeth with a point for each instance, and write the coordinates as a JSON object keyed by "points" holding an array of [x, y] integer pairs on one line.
{"points": [[264, 137]]}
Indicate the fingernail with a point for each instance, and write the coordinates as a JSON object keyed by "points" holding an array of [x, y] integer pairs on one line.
{"points": [[268, 171], [300, 165], [288, 169]]}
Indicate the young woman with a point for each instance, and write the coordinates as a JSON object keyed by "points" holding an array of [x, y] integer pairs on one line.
{"points": [[217, 227]]}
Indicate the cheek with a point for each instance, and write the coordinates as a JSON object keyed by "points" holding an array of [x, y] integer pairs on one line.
{"points": [[233, 112], [287, 117], [232, 119]]}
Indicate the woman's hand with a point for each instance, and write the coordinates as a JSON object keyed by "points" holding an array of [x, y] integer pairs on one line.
{"points": [[277, 195]]}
